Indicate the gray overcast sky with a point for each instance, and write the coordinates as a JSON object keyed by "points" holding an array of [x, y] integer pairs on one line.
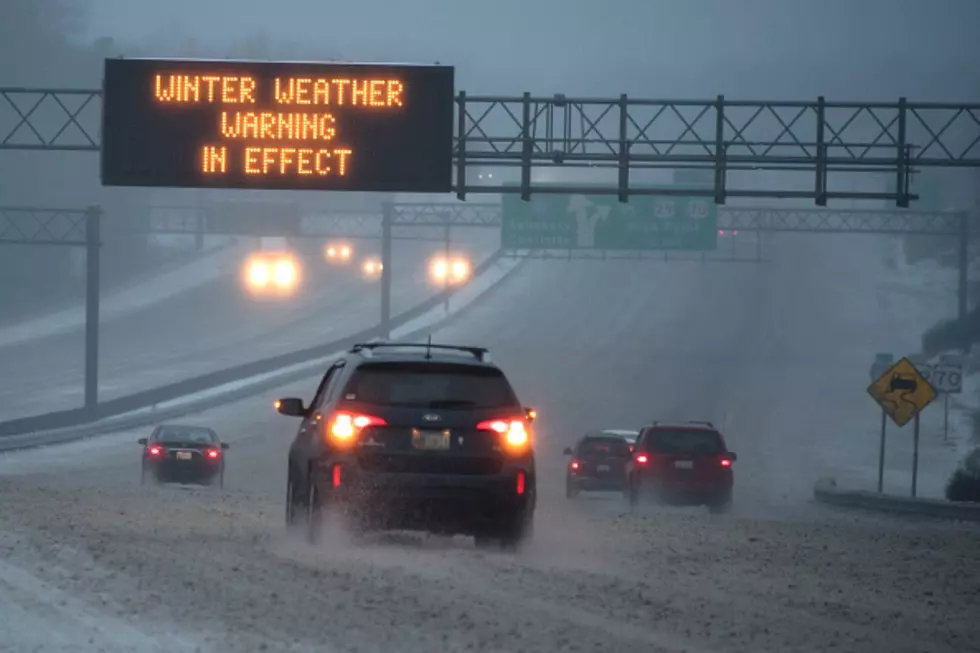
{"points": [[861, 48]]}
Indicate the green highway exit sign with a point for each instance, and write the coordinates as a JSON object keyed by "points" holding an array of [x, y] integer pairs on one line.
{"points": [[578, 221]]}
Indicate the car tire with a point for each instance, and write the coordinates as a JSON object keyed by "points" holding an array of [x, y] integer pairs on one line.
{"points": [[221, 478], [293, 502], [632, 495], [721, 505], [142, 474], [571, 490], [509, 536], [314, 511]]}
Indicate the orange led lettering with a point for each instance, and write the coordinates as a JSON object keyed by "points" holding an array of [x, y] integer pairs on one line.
{"points": [[231, 129], [214, 160], [304, 161], [267, 121], [251, 160], [247, 91], [250, 125], [191, 89], [359, 90], [394, 96], [321, 92], [285, 124], [342, 155], [285, 96], [268, 159], [376, 95], [341, 84], [322, 156], [286, 158], [210, 81], [168, 92], [228, 88], [304, 91]]}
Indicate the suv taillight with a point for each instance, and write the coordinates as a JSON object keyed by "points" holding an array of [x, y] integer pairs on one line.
{"points": [[513, 429], [344, 426], [155, 451]]}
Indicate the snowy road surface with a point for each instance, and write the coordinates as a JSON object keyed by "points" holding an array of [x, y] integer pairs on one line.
{"points": [[214, 327], [774, 354]]}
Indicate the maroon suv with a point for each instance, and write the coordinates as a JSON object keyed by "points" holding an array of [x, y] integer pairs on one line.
{"points": [[681, 464]]}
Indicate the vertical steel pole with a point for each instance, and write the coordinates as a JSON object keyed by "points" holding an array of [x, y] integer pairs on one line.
{"points": [[93, 244], [915, 457], [447, 235], [387, 216], [963, 263], [881, 453]]}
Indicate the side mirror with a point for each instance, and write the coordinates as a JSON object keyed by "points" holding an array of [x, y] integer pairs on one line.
{"points": [[530, 413], [225, 446], [291, 407], [142, 441], [732, 456], [568, 451]]}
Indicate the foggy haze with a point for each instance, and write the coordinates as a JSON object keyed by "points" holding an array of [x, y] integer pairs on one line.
{"points": [[758, 49]]}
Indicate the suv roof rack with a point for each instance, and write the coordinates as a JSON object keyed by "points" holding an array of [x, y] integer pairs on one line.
{"points": [[690, 421], [366, 348]]}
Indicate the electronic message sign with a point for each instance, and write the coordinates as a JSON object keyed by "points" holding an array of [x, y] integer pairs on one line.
{"points": [[277, 125]]}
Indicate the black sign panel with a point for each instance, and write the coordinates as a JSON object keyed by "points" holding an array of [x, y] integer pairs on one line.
{"points": [[275, 125]]}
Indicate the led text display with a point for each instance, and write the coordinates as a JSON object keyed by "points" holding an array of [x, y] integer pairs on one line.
{"points": [[273, 125]]}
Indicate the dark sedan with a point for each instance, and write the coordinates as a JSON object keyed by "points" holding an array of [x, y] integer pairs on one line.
{"points": [[183, 454]]}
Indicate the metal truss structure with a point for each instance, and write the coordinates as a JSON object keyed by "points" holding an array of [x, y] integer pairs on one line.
{"points": [[623, 137], [852, 221], [421, 216], [38, 226]]}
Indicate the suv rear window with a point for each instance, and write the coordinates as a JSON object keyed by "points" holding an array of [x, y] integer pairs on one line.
{"points": [[430, 385], [604, 447], [684, 441]]}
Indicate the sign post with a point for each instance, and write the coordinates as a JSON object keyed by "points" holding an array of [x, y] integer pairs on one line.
{"points": [[903, 392], [946, 376], [880, 365]]}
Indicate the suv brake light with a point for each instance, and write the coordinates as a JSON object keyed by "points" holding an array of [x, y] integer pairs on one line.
{"points": [[642, 459], [726, 462], [156, 451], [345, 426], [513, 429]]}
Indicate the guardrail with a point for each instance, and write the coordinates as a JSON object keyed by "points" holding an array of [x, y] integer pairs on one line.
{"points": [[148, 398], [826, 491]]}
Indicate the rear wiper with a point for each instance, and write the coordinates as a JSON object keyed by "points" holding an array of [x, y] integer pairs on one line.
{"points": [[451, 403]]}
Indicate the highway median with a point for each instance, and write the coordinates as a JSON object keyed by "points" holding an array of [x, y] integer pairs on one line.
{"points": [[241, 381]]}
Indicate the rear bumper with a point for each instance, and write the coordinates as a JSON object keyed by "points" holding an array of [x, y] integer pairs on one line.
{"points": [[598, 483], [183, 469], [449, 502]]}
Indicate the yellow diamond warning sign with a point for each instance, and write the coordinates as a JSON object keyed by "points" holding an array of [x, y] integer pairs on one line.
{"points": [[902, 392]]}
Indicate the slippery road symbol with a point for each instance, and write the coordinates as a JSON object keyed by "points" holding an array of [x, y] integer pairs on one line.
{"points": [[902, 392]]}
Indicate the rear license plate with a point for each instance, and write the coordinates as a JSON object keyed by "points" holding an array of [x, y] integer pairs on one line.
{"points": [[602, 468], [684, 464], [431, 440], [184, 455]]}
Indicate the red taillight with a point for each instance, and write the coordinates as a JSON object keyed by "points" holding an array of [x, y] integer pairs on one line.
{"points": [[574, 464], [642, 459], [346, 426], [513, 429], [336, 475], [632, 448], [725, 462], [156, 451], [213, 454], [520, 483]]}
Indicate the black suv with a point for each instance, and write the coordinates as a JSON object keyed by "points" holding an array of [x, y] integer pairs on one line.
{"points": [[414, 437]]}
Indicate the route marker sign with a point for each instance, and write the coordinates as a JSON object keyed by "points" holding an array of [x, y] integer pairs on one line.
{"points": [[646, 222], [902, 392], [881, 364]]}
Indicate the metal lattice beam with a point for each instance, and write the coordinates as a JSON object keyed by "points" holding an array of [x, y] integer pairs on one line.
{"points": [[337, 224], [37, 226], [841, 221], [50, 119], [184, 220], [627, 135]]}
